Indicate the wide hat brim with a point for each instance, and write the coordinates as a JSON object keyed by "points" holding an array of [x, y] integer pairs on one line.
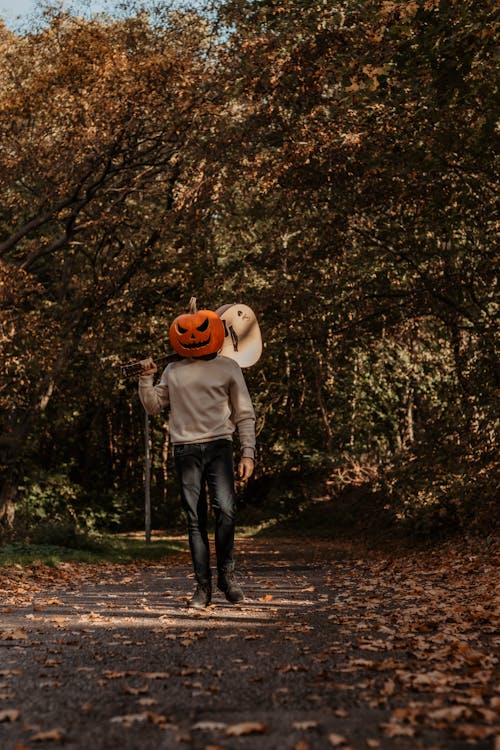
{"points": [[243, 339]]}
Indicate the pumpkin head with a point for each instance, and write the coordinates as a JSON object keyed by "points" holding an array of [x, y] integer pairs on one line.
{"points": [[197, 334]]}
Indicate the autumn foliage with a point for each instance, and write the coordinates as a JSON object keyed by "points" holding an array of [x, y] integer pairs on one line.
{"points": [[329, 164]]}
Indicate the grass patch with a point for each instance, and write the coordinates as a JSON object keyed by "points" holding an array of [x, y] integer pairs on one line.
{"points": [[105, 549]]}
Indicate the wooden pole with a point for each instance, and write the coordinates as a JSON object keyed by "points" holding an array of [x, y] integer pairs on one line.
{"points": [[147, 480]]}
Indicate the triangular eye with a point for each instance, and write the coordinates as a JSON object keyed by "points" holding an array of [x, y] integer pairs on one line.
{"points": [[180, 329], [203, 326]]}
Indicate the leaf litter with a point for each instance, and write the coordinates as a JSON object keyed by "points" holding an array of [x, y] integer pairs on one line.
{"points": [[414, 637]]}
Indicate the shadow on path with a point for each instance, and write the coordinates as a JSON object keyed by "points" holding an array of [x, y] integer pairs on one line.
{"points": [[324, 652]]}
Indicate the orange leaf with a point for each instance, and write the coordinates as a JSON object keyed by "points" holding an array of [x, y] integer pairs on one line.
{"points": [[52, 735], [12, 635]]}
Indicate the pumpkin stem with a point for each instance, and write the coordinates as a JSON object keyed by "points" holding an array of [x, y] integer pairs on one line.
{"points": [[192, 305]]}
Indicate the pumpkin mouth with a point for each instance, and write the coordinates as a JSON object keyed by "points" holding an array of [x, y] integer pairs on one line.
{"points": [[197, 344]]}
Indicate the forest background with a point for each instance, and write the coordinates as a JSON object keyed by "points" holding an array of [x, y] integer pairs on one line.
{"points": [[330, 164]]}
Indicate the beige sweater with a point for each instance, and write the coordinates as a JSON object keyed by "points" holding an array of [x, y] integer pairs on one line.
{"points": [[208, 400]]}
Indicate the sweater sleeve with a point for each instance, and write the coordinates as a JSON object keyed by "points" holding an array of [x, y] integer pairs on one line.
{"points": [[154, 398], [243, 414]]}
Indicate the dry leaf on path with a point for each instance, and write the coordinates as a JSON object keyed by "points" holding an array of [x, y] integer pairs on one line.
{"points": [[397, 730], [337, 740], [209, 726], [304, 725], [129, 720], [52, 735], [246, 727], [9, 714], [12, 635], [136, 690], [147, 701]]}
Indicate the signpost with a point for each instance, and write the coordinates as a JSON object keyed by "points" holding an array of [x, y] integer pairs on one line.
{"points": [[147, 479]]}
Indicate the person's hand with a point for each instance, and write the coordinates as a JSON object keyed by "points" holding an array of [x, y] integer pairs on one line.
{"points": [[245, 468], [148, 367]]}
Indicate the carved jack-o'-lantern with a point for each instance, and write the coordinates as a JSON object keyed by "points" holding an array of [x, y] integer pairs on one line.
{"points": [[197, 333]]}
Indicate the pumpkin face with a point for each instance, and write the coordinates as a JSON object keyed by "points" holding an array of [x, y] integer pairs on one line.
{"points": [[197, 334]]}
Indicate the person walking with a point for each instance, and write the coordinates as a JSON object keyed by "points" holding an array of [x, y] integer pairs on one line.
{"points": [[209, 401]]}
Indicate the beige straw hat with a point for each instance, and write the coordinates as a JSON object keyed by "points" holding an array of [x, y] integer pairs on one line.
{"points": [[243, 340]]}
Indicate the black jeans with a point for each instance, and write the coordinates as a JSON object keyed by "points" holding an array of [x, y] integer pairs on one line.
{"points": [[208, 464]]}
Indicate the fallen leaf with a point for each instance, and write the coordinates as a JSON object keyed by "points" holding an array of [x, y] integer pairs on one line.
{"points": [[336, 740], [451, 713], [12, 635], [158, 719], [389, 687], [397, 730], [209, 726], [304, 725], [246, 727], [301, 745], [52, 735], [135, 690], [10, 714], [292, 668], [129, 720]]}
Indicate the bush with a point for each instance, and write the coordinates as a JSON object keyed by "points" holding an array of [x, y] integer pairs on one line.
{"points": [[60, 533], [452, 493]]}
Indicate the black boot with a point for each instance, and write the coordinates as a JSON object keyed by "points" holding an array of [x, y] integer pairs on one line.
{"points": [[202, 595], [229, 587]]}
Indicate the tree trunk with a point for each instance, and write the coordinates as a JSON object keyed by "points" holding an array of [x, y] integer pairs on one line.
{"points": [[8, 494], [164, 459]]}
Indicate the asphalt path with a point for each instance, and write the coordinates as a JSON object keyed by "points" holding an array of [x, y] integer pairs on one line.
{"points": [[319, 655]]}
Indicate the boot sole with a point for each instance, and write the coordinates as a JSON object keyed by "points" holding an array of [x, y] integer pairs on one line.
{"points": [[197, 606], [233, 601]]}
